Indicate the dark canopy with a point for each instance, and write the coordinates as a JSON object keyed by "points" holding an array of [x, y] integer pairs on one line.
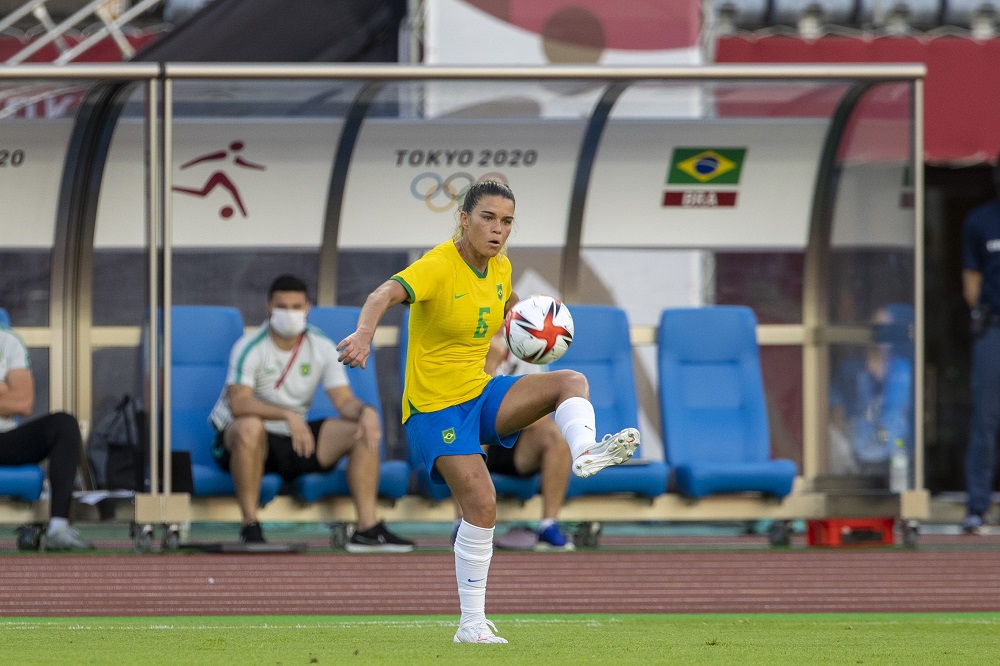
{"points": [[283, 31]]}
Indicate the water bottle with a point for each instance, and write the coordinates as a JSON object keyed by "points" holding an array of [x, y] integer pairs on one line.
{"points": [[899, 468]]}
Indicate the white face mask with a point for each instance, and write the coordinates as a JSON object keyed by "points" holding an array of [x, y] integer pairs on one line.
{"points": [[288, 323]]}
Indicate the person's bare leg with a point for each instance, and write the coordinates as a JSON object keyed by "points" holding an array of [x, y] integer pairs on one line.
{"points": [[541, 448], [246, 440], [336, 439]]}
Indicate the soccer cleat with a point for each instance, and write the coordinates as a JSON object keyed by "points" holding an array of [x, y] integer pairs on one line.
{"points": [[378, 539], [612, 450], [252, 533], [478, 633], [66, 538], [551, 538]]}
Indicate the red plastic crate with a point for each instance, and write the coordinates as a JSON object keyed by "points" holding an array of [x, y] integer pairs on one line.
{"points": [[850, 532]]}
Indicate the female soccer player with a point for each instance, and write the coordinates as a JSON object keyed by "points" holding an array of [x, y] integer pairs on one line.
{"points": [[459, 293]]}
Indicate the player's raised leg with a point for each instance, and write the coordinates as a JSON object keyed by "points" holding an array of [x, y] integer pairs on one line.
{"points": [[567, 393]]}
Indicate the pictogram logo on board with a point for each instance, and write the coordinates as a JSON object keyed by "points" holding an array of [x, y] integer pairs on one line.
{"points": [[219, 178]]}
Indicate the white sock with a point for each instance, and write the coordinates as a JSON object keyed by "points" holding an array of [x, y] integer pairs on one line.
{"points": [[575, 418], [544, 525], [473, 553], [56, 524]]}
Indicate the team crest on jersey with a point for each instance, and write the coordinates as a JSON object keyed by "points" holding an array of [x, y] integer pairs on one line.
{"points": [[305, 369], [499, 292], [448, 435]]}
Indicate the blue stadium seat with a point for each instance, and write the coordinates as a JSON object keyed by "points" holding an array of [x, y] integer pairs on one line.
{"points": [[522, 488], [337, 322], [712, 404], [203, 336], [20, 481], [602, 351]]}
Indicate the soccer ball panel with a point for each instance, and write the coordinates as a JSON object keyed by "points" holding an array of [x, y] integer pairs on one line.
{"points": [[539, 329]]}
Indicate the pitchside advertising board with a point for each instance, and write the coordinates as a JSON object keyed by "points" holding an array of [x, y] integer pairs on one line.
{"points": [[719, 184], [529, 32], [235, 184], [676, 184], [406, 180], [31, 165], [555, 32]]}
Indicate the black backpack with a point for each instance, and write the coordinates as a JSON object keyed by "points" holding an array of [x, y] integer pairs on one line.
{"points": [[115, 447]]}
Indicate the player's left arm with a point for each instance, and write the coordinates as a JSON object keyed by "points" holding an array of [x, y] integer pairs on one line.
{"points": [[366, 416]]}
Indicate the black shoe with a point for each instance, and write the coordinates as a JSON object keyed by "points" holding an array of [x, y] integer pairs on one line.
{"points": [[252, 533], [378, 540]]}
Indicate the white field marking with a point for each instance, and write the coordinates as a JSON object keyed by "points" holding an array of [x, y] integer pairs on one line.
{"points": [[417, 624], [333, 624]]}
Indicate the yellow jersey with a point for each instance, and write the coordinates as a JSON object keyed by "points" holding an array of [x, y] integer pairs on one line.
{"points": [[454, 312]]}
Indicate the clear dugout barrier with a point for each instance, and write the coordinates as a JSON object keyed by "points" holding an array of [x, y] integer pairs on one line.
{"points": [[36, 124], [871, 286], [645, 193], [250, 181], [120, 275], [703, 194]]}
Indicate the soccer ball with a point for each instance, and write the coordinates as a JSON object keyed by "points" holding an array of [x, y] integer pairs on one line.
{"points": [[538, 329]]}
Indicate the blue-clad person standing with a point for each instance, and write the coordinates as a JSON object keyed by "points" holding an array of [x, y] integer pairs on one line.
{"points": [[981, 289]]}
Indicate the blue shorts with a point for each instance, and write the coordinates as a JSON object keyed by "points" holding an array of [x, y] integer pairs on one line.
{"points": [[460, 430]]}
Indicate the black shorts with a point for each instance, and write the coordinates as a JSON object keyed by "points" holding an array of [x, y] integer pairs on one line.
{"points": [[281, 457], [500, 460]]}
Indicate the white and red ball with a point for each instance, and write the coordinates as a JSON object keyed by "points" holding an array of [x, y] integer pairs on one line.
{"points": [[538, 329]]}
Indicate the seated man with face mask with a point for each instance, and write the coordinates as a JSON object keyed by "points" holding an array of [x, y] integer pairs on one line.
{"points": [[260, 417]]}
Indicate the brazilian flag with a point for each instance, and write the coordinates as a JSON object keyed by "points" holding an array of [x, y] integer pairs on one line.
{"points": [[700, 166]]}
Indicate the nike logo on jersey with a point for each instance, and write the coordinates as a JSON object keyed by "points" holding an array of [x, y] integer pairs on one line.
{"points": [[457, 296]]}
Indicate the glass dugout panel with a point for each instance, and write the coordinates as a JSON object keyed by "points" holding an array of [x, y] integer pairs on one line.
{"points": [[251, 176], [872, 285], [36, 124]]}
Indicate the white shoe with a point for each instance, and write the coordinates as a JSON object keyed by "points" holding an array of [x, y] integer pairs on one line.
{"points": [[478, 633], [612, 450], [66, 538]]}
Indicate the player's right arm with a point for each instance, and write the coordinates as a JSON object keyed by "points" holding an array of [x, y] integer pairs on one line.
{"points": [[355, 348]]}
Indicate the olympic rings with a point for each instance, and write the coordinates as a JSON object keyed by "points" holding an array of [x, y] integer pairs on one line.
{"points": [[441, 194]]}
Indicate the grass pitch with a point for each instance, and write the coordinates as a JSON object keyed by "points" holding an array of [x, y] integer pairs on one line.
{"points": [[883, 639]]}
